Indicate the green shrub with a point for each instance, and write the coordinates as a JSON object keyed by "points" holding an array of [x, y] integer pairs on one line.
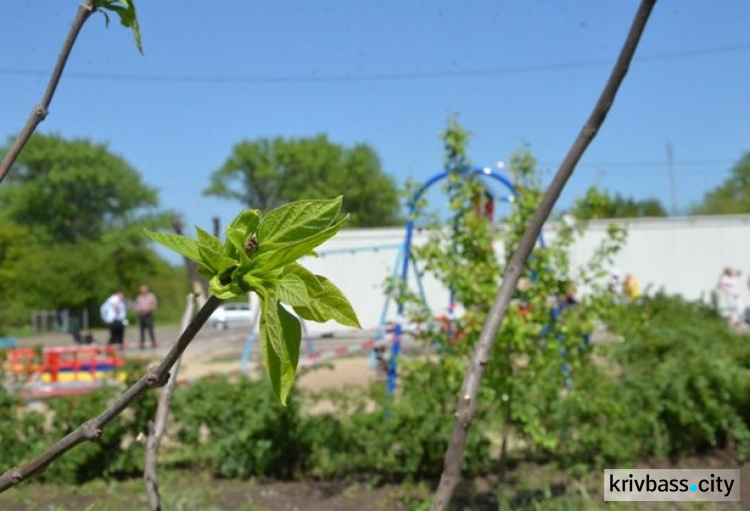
{"points": [[394, 438], [20, 430], [25, 432], [235, 427], [117, 454], [676, 384]]}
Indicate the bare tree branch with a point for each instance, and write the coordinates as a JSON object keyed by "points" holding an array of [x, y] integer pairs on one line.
{"points": [[92, 430], [41, 110], [468, 399], [157, 428]]}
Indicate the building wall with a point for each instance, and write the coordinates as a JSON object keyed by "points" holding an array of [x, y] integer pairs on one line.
{"points": [[679, 255]]}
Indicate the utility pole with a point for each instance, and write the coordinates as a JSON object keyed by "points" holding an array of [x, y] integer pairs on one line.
{"points": [[673, 183]]}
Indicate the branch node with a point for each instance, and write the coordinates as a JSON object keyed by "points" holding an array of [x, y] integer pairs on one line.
{"points": [[91, 431], [15, 475], [154, 379], [40, 112]]}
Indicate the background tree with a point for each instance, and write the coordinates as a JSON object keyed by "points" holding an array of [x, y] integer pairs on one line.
{"points": [[266, 173], [731, 197], [72, 218], [72, 190], [597, 204]]}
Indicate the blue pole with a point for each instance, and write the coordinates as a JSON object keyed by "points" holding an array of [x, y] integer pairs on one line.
{"points": [[395, 351], [306, 335]]}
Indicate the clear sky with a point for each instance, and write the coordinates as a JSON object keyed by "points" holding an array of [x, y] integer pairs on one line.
{"points": [[518, 74]]}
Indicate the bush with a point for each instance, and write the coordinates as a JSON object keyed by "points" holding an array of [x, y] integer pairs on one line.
{"points": [[117, 454], [395, 438], [20, 430], [677, 384], [26, 432], [235, 427]]}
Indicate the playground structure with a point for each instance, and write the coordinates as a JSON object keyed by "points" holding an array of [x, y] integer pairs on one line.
{"points": [[386, 343], [60, 371]]}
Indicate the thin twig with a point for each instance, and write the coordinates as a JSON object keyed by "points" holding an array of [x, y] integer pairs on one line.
{"points": [[468, 399], [157, 427], [92, 429], [41, 110]]}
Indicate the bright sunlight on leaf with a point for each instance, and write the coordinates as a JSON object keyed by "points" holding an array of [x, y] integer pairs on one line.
{"points": [[259, 256]]}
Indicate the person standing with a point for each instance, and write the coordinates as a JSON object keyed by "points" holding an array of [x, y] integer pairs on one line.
{"points": [[114, 314], [630, 287], [145, 305], [729, 296]]}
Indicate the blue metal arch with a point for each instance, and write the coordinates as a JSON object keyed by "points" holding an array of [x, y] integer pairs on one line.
{"points": [[473, 171]]}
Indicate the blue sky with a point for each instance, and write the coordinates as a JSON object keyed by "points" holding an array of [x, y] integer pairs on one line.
{"points": [[389, 73]]}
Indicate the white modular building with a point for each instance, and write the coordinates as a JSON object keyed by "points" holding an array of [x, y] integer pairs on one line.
{"points": [[681, 255]]}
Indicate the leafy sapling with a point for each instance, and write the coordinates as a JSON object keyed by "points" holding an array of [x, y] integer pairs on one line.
{"points": [[260, 255]]}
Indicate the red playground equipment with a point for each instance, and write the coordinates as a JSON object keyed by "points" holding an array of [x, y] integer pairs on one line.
{"points": [[62, 370]]}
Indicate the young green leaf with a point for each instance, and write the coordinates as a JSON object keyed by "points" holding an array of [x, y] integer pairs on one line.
{"points": [[247, 221], [280, 337], [292, 331], [273, 361], [292, 290], [183, 245], [326, 300], [125, 9], [296, 221], [270, 325], [210, 258], [210, 249], [209, 241], [220, 290], [270, 261]]}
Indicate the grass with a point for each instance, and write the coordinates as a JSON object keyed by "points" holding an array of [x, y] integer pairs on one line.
{"points": [[180, 492], [532, 490]]}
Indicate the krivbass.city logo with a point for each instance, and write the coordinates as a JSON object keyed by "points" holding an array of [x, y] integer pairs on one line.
{"points": [[680, 485]]}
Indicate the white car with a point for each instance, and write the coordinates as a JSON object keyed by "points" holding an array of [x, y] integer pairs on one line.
{"points": [[232, 315]]}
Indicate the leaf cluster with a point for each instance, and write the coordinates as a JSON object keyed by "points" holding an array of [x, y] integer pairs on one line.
{"points": [[260, 256]]}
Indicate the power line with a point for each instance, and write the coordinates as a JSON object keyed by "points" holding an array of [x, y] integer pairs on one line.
{"points": [[680, 165], [373, 77]]}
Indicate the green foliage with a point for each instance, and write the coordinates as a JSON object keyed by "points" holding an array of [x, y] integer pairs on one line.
{"points": [[266, 173], [125, 10], [597, 204], [731, 197], [73, 190], [20, 433], [259, 256], [15, 243], [678, 383], [71, 232], [234, 428], [395, 438], [534, 352], [78, 276], [116, 455], [25, 432]]}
